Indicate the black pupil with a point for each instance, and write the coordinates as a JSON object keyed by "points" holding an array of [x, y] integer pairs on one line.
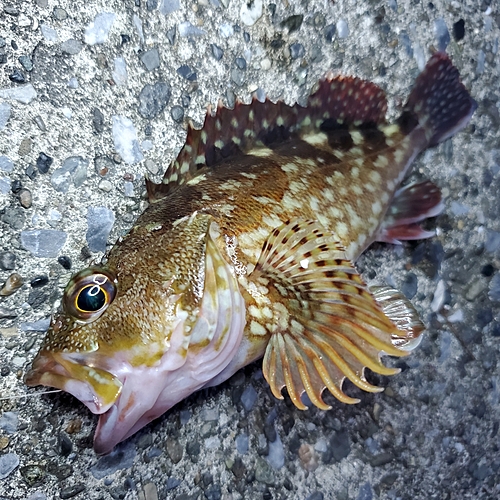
{"points": [[91, 299]]}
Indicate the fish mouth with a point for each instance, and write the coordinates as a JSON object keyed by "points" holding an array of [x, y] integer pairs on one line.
{"points": [[96, 388]]}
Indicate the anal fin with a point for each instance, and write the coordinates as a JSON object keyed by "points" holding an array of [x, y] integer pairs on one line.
{"points": [[411, 205], [326, 325]]}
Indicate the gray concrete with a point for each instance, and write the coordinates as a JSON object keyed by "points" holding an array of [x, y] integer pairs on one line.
{"points": [[433, 434]]}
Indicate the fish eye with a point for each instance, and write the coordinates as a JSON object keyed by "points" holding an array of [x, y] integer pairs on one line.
{"points": [[89, 293]]}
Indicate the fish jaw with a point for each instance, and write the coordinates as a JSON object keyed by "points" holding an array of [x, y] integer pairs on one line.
{"points": [[96, 388]]}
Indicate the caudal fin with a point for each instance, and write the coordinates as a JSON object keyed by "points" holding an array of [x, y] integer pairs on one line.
{"points": [[439, 103]]}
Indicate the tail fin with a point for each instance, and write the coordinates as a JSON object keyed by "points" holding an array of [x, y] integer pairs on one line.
{"points": [[439, 102]]}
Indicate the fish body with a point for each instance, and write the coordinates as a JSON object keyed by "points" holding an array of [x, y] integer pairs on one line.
{"points": [[246, 251]]}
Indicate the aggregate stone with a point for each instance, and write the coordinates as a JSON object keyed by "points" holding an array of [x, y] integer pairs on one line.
{"points": [[177, 113], [174, 449], [25, 198], [15, 217], [43, 162], [71, 47], [9, 421], [65, 261], [153, 99], [97, 31], [100, 221], [7, 261], [8, 463], [125, 140], [263, 472], [43, 242], [6, 164], [72, 491], [187, 72], [150, 58], [5, 110], [217, 52], [169, 6], [73, 171], [122, 457]]}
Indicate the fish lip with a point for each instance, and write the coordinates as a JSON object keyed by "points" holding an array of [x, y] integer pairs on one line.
{"points": [[55, 370]]}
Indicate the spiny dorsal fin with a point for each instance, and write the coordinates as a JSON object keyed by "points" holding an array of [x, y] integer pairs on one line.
{"points": [[334, 327], [231, 132]]}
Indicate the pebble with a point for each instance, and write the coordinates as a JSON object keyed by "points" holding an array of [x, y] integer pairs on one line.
{"points": [[119, 74], [125, 140], [43, 242], [72, 491], [97, 120], [49, 33], [481, 60], [150, 58], [71, 47], [8, 463], [492, 243], [5, 109], [171, 34], [251, 12], [153, 99], [4, 185], [73, 83], [187, 29], [439, 297], [410, 286], [41, 325], [292, 23], [122, 457], [39, 281], [317, 495], [238, 76], [186, 72], [100, 220], [474, 290], [9, 421], [150, 491], [226, 30], [169, 6], [248, 397], [494, 288], [241, 442], [297, 50], [97, 31], [441, 33], [73, 171], [7, 313], [342, 28], [174, 449], [15, 217], [263, 472], [177, 113], [217, 52], [25, 198], [12, 283], [329, 32], [64, 261], [26, 62], [105, 186], [6, 164], [43, 162], [276, 454]]}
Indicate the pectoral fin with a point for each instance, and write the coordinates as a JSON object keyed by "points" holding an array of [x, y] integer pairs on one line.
{"points": [[327, 325]]}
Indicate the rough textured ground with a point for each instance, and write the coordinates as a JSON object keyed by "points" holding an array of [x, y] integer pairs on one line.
{"points": [[433, 433]]}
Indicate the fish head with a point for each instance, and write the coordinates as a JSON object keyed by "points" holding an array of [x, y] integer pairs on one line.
{"points": [[112, 344]]}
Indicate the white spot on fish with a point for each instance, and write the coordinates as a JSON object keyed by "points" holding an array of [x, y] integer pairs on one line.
{"points": [[290, 168], [315, 139], [257, 329], [260, 152]]}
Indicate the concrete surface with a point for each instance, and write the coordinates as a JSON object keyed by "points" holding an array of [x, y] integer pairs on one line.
{"points": [[433, 434]]}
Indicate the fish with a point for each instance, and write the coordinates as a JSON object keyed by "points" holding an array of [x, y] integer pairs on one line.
{"points": [[247, 250]]}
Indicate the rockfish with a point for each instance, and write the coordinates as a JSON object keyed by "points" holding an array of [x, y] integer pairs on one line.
{"points": [[246, 250]]}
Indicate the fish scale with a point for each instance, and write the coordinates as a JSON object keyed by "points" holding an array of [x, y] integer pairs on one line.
{"points": [[247, 250]]}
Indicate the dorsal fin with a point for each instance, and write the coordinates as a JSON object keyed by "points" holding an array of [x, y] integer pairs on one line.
{"points": [[230, 132]]}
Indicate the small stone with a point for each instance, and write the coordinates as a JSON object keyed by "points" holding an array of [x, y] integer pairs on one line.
{"points": [[59, 13], [9, 422], [8, 463], [186, 29], [64, 261], [71, 491], [365, 492], [26, 62], [151, 5], [5, 109], [71, 47], [7, 313], [49, 33], [153, 99], [12, 283], [410, 286], [329, 32], [100, 221], [122, 457], [43, 242], [441, 33], [174, 450], [276, 453], [297, 50], [264, 473], [186, 72], [292, 23], [105, 186], [177, 113], [317, 495], [169, 6], [248, 397], [73, 170], [97, 31], [217, 52], [43, 162], [342, 28], [251, 12], [39, 281], [40, 123], [226, 30], [151, 59], [125, 139], [308, 457], [15, 217], [150, 491], [240, 63], [119, 74], [6, 164], [171, 33], [11, 10], [32, 474], [238, 76], [25, 198], [494, 292], [7, 261]]}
